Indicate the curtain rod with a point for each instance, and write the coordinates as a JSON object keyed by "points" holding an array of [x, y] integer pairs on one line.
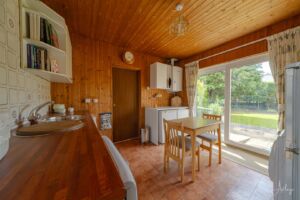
{"points": [[232, 49]]}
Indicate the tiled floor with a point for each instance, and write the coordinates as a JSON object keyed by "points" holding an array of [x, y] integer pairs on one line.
{"points": [[225, 181]]}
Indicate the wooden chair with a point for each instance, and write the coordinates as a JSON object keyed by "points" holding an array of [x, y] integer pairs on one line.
{"points": [[177, 146], [212, 137]]}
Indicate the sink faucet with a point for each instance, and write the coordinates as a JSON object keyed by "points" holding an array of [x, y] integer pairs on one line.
{"points": [[34, 115], [21, 119]]}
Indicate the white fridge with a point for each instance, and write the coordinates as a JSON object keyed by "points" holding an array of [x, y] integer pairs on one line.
{"points": [[154, 120], [284, 163]]}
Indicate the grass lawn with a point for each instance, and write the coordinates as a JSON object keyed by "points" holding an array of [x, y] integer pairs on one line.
{"points": [[255, 119]]}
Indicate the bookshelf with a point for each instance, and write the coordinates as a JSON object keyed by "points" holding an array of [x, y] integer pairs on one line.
{"points": [[46, 47]]}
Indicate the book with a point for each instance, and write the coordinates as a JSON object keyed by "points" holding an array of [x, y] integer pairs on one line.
{"points": [[37, 57], [27, 24], [28, 55], [32, 57], [47, 32], [55, 38], [43, 59], [51, 34]]}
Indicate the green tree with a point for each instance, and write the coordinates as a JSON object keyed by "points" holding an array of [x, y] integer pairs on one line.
{"points": [[246, 83]]}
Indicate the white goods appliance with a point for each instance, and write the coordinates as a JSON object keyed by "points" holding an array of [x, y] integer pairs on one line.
{"points": [[163, 76], [284, 163], [154, 120]]}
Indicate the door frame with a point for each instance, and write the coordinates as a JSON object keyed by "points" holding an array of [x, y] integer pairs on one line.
{"points": [[139, 97], [226, 68]]}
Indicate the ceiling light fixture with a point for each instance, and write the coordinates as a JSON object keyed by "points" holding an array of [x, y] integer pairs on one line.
{"points": [[180, 25]]}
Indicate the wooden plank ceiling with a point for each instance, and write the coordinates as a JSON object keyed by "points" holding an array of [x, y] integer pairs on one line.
{"points": [[143, 25]]}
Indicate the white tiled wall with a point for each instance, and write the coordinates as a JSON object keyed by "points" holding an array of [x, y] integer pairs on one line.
{"points": [[17, 87]]}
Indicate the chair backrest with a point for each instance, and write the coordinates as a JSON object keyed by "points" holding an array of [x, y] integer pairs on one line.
{"points": [[174, 138], [213, 117]]}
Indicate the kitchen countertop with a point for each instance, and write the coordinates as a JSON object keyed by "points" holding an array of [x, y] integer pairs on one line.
{"points": [[168, 108], [63, 165]]}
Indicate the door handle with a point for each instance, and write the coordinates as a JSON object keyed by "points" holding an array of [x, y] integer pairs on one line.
{"points": [[293, 150]]}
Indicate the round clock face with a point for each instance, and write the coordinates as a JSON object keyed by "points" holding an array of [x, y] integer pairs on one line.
{"points": [[128, 57]]}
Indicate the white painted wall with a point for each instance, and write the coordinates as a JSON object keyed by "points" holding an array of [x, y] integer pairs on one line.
{"points": [[17, 87]]}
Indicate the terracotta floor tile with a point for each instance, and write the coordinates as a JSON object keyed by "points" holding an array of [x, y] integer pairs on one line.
{"points": [[228, 181]]}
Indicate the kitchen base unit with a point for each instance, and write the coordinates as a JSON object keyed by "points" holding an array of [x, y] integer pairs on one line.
{"points": [[154, 120]]}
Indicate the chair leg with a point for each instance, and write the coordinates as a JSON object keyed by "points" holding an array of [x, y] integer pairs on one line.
{"points": [[182, 170], [165, 162], [168, 162], [210, 154], [199, 158]]}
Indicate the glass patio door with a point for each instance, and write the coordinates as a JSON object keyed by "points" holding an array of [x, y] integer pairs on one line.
{"points": [[243, 92], [253, 107]]}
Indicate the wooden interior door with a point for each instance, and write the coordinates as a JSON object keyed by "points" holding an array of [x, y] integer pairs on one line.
{"points": [[125, 104]]}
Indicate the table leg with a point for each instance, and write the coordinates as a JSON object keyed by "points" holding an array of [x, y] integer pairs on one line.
{"points": [[219, 144], [193, 136]]}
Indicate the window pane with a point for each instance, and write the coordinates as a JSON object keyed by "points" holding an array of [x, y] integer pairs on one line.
{"points": [[253, 106], [210, 95]]}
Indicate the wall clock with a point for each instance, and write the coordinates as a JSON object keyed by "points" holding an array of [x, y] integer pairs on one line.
{"points": [[128, 57]]}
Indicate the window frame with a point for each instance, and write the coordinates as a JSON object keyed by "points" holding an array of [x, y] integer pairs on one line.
{"points": [[226, 68]]}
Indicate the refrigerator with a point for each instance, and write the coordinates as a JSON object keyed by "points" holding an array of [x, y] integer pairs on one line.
{"points": [[154, 120], [284, 163]]}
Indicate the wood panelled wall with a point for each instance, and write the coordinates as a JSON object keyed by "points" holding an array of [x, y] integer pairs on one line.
{"points": [[252, 49], [92, 78]]}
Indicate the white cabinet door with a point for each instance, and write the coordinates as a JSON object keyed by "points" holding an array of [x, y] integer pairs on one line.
{"points": [[159, 75], [177, 79], [168, 115], [182, 113]]}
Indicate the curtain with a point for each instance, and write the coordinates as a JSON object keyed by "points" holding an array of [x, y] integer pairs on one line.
{"points": [[191, 76], [284, 48]]}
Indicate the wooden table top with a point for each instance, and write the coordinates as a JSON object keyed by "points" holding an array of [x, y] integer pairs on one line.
{"points": [[64, 165], [194, 123]]}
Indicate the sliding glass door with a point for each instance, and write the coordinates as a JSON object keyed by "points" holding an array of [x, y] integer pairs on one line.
{"points": [[253, 116], [243, 92]]}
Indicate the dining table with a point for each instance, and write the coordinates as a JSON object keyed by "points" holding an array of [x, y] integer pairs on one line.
{"points": [[194, 126]]}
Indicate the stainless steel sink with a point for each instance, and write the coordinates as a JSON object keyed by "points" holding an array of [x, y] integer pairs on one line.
{"points": [[60, 118], [48, 127]]}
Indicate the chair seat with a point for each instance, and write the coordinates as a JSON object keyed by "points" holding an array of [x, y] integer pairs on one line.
{"points": [[208, 137], [188, 143]]}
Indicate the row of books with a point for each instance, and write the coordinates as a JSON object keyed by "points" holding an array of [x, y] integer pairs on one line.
{"points": [[47, 33], [37, 58], [38, 28]]}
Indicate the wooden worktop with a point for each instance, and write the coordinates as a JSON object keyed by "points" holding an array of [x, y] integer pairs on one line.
{"points": [[64, 165]]}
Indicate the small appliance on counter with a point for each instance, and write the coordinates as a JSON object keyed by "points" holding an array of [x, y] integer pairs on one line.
{"points": [[71, 110], [176, 101], [59, 108]]}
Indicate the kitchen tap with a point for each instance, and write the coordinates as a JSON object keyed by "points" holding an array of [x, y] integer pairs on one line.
{"points": [[34, 115]]}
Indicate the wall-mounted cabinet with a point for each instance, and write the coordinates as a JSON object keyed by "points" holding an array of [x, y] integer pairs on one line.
{"points": [[46, 47], [163, 76]]}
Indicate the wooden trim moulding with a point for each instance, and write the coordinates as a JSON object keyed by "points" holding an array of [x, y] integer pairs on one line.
{"points": [[252, 49]]}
